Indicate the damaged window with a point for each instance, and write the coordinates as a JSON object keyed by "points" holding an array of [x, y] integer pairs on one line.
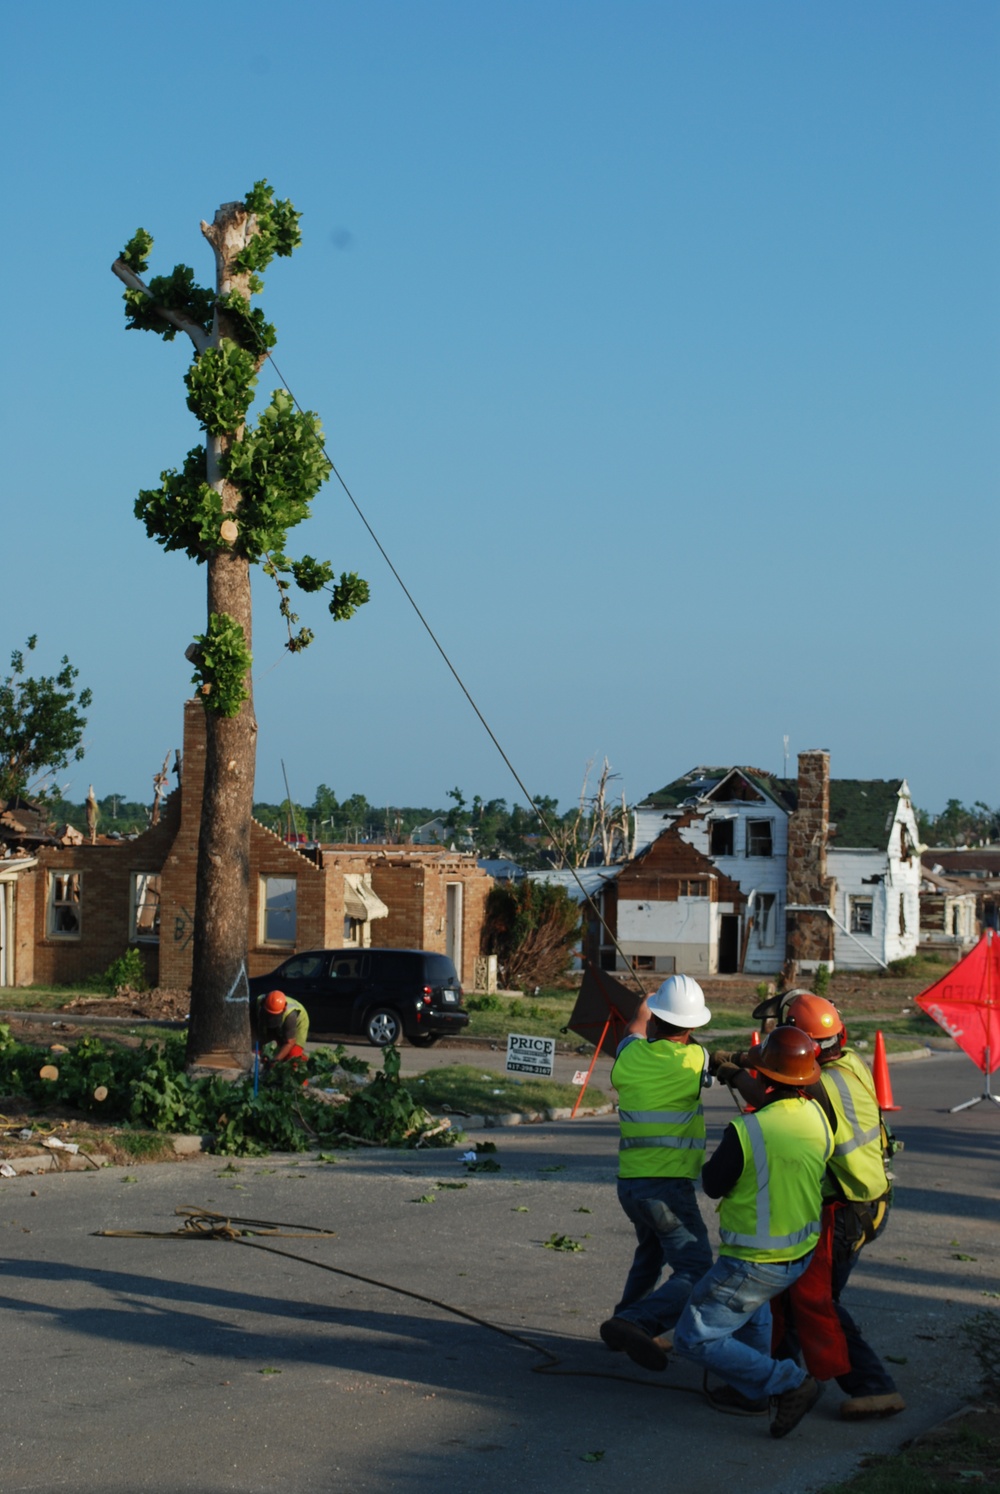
{"points": [[759, 840], [643, 962], [721, 837], [861, 915], [278, 910], [64, 905], [145, 907], [765, 919]]}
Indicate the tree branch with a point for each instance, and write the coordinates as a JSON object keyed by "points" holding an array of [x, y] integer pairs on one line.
{"points": [[197, 333]]}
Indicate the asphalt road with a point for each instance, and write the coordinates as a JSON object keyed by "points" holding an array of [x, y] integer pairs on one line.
{"points": [[169, 1366]]}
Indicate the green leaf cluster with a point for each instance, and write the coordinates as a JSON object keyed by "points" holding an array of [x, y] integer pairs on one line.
{"points": [[148, 1087], [185, 512], [222, 665], [279, 466], [137, 251], [278, 231], [248, 325], [177, 291], [41, 722], [221, 383]]}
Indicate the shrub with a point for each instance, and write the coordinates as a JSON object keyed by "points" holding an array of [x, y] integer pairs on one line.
{"points": [[821, 980], [532, 928]]}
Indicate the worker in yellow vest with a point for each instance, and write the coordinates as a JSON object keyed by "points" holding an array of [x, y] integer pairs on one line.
{"points": [[659, 1073], [283, 1022], [768, 1171], [859, 1188]]}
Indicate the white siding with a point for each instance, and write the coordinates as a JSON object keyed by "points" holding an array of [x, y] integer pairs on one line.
{"points": [[759, 874], [892, 883]]}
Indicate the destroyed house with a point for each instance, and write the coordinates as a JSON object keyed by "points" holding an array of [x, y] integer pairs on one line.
{"points": [[737, 870], [78, 907]]}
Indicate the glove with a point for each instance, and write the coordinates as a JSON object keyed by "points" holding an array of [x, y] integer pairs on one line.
{"points": [[727, 1073], [720, 1056]]}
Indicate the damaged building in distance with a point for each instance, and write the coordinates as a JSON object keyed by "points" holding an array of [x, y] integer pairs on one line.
{"points": [[736, 870]]}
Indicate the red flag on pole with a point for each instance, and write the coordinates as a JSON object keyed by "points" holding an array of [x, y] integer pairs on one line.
{"points": [[966, 1003]]}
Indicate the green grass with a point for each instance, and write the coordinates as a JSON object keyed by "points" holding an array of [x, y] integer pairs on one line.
{"points": [[539, 1016], [462, 1086], [41, 998], [965, 1456]]}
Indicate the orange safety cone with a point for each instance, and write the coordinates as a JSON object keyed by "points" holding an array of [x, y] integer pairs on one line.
{"points": [[880, 1073]]}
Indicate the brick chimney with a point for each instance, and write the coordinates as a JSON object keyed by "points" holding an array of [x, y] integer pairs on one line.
{"points": [[810, 891], [193, 765]]}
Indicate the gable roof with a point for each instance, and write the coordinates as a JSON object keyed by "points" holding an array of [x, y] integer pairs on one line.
{"points": [[862, 811], [702, 783]]}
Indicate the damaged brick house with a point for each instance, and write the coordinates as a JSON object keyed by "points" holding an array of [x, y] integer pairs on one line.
{"points": [[78, 907], [737, 870]]}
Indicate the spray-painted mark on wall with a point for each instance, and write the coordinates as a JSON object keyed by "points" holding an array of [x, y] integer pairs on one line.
{"points": [[183, 928]]}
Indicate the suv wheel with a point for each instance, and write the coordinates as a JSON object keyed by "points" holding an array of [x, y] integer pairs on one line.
{"points": [[383, 1027]]}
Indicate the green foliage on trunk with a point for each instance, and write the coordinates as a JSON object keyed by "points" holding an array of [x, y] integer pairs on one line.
{"points": [[273, 469]]}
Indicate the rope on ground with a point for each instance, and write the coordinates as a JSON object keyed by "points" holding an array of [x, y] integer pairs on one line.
{"points": [[204, 1224]]}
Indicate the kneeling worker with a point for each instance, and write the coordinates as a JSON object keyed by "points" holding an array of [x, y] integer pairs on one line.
{"points": [[768, 1171], [659, 1072], [284, 1023]]}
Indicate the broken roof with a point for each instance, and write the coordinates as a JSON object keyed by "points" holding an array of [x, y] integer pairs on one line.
{"points": [[862, 811], [702, 783]]}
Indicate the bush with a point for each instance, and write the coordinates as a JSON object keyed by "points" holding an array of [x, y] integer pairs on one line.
{"points": [[127, 971], [821, 981], [532, 928]]}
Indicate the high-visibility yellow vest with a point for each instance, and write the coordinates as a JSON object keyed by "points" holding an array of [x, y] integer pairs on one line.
{"points": [[660, 1112], [857, 1163], [773, 1212], [291, 1008]]}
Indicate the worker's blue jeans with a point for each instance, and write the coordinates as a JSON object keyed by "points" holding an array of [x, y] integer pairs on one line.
{"points": [[726, 1325], [670, 1235]]}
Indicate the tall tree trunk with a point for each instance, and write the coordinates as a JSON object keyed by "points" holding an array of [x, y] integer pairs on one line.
{"points": [[219, 1034]]}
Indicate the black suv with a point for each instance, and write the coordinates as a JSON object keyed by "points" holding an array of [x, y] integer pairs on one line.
{"points": [[379, 993]]}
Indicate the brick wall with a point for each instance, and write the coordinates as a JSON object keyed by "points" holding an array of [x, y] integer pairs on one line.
{"points": [[106, 873], [413, 885]]}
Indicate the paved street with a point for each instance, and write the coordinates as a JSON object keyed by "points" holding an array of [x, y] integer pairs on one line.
{"points": [[204, 1366]]}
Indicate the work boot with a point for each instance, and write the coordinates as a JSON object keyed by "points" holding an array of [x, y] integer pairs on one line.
{"points": [[792, 1405], [641, 1347], [727, 1398], [863, 1407]]}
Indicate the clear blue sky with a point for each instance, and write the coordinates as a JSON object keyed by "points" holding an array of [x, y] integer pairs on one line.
{"points": [[658, 342]]}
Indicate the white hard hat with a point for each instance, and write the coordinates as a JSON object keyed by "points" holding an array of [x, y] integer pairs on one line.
{"points": [[680, 1001]]}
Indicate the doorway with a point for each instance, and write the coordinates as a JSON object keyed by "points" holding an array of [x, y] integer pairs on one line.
{"points": [[729, 943]]}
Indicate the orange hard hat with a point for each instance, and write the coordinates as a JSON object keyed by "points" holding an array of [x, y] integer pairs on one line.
{"points": [[787, 1055], [817, 1017], [275, 1002]]}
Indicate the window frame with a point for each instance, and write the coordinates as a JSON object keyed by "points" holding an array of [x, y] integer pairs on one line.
{"points": [[52, 904], [767, 824], [856, 904], [264, 934], [135, 934]]}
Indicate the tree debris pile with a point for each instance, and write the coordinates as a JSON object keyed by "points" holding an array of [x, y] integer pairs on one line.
{"points": [[148, 1088]]}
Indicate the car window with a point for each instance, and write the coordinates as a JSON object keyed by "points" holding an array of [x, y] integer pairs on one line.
{"points": [[439, 970], [347, 964], [396, 967], [303, 967]]}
